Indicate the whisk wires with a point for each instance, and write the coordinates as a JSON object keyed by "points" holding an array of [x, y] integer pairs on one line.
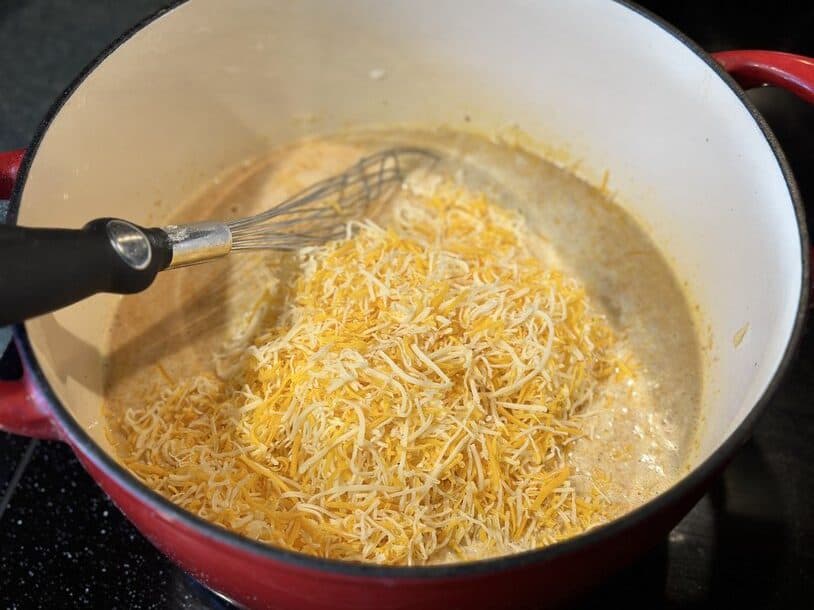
{"points": [[321, 212]]}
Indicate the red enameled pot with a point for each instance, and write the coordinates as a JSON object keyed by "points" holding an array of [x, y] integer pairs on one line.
{"points": [[205, 84]]}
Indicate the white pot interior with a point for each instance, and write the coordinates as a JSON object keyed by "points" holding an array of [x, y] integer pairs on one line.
{"points": [[211, 83]]}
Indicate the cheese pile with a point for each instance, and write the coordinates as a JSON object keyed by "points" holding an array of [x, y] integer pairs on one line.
{"points": [[413, 402]]}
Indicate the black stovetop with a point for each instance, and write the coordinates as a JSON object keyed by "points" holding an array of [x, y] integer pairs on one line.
{"points": [[749, 541]]}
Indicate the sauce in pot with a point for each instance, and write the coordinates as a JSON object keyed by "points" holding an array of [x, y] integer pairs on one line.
{"points": [[640, 441]]}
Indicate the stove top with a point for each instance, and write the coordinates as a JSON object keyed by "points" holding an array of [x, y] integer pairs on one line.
{"points": [[748, 542]]}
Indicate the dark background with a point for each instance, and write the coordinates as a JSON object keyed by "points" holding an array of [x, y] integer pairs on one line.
{"points": [[749, 542]]}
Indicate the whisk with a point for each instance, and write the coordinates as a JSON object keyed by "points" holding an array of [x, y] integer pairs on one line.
{"points": [[46, 269]]}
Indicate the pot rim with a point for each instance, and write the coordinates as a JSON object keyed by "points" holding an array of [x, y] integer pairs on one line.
{"points": [[81, 441]]}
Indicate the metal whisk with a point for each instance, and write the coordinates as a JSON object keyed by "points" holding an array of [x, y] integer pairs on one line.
{"points": [[46, 269], [320, 212], [311, 217]]}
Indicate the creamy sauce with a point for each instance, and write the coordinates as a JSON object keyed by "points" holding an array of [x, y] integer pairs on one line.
{"points": [[642, 442]]}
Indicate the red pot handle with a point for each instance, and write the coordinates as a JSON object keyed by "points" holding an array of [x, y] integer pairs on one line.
{"points": [[795, 73], [9, 166], [751, 69], [22, 408]]}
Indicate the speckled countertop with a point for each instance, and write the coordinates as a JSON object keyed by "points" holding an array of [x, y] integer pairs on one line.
{"points": [[748, 543]]}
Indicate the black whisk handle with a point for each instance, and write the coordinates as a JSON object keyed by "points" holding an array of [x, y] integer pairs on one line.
{"points": [[42, 270]]}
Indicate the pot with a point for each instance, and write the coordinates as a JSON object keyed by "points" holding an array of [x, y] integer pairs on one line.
{"points": [[205, 84]]}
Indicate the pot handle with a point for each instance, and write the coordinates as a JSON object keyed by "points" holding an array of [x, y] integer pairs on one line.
{"points": [[795, 73], [9, 166], [22, 410]]}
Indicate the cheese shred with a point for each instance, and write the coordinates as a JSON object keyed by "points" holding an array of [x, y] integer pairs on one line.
{"points": [[414, 402]]}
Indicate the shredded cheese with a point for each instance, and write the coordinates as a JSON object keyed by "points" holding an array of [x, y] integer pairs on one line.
{"points": [[414, 402]]}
